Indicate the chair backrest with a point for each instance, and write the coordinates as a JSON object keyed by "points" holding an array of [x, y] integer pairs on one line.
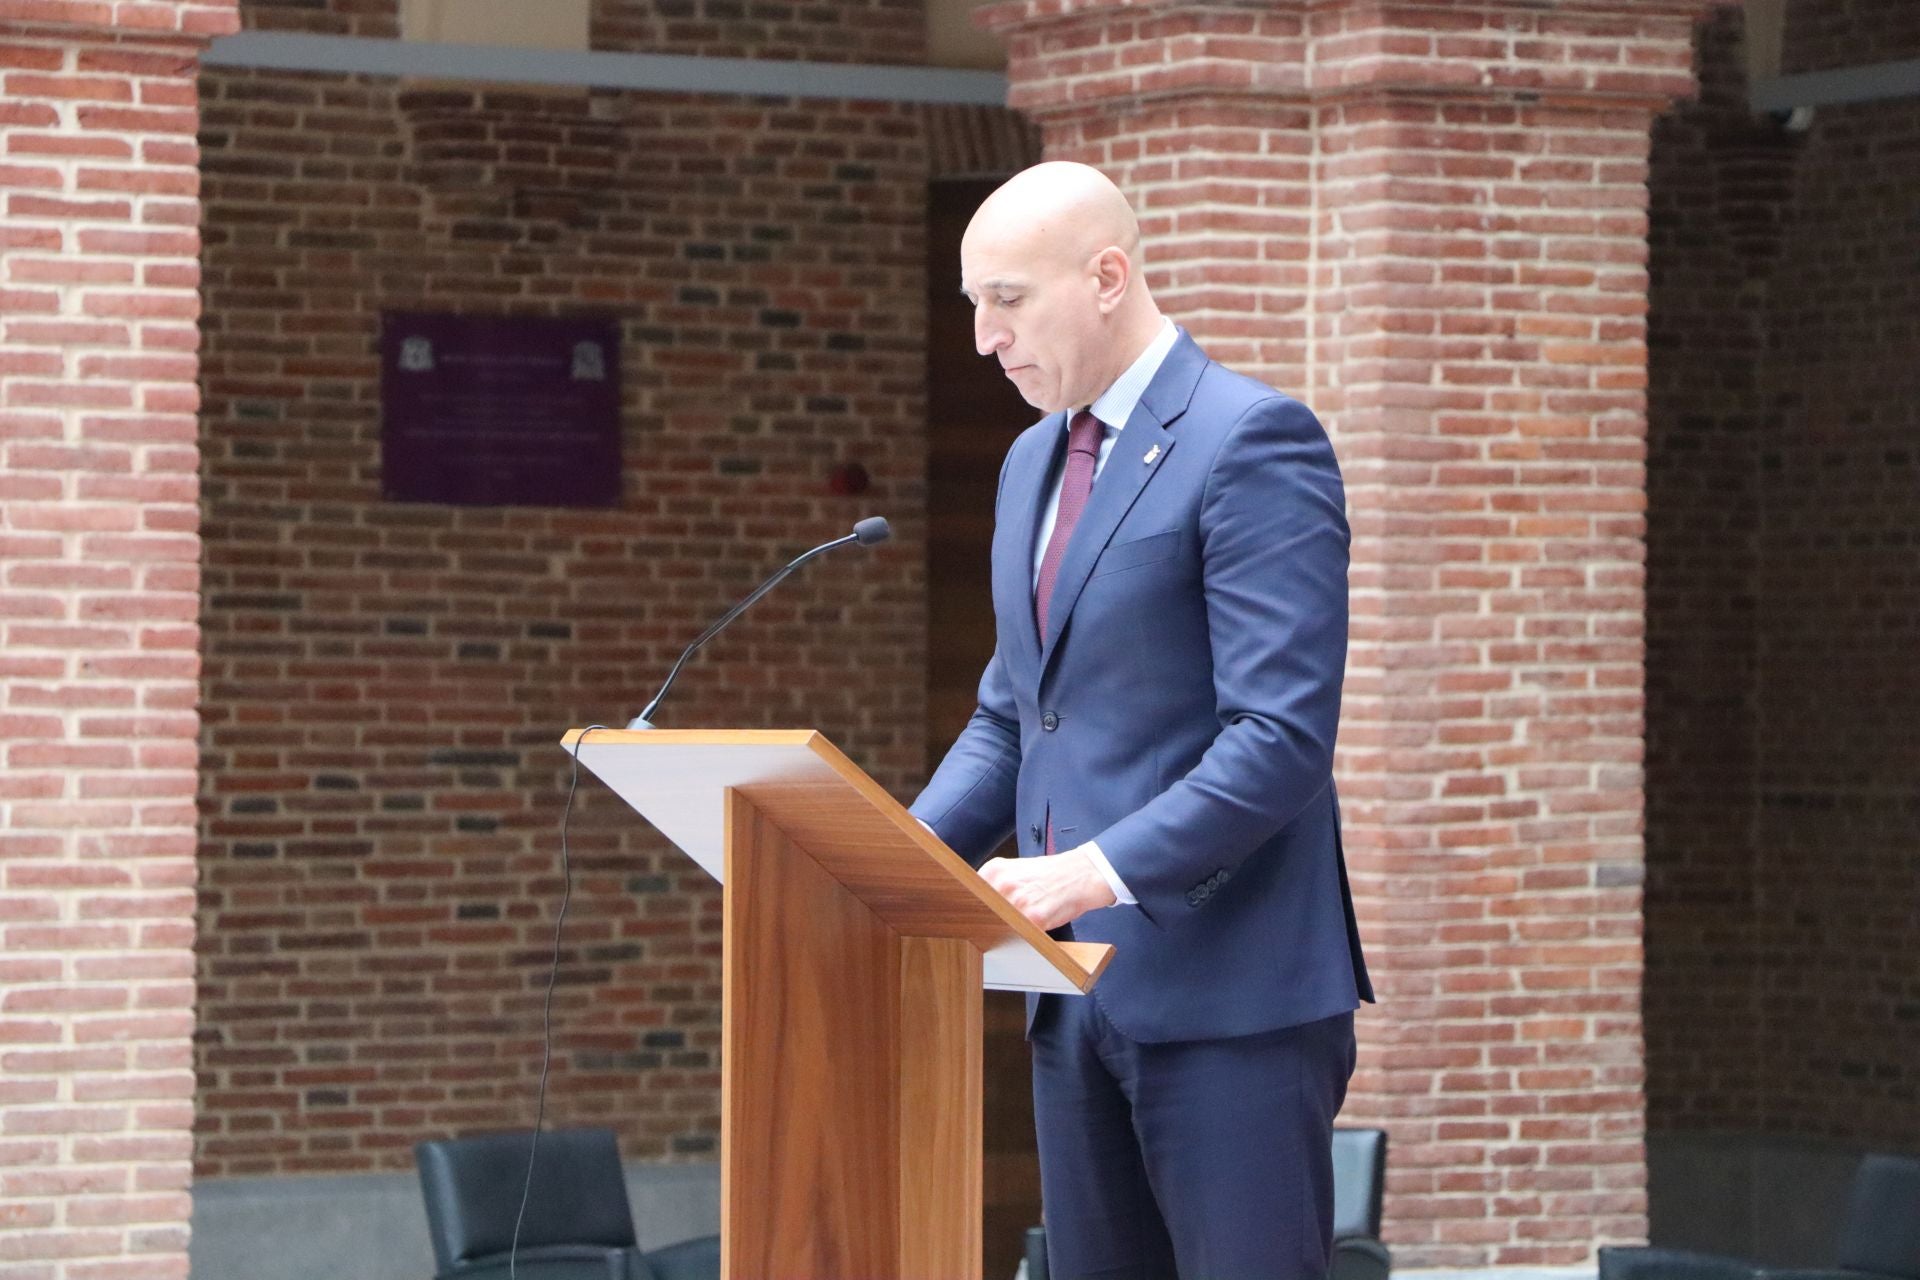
{"points": [[473, 1188], [1882, 1228], [1359, 1181]]}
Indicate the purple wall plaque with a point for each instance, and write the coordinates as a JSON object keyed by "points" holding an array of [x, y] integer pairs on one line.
{"points": [[500, 410]]}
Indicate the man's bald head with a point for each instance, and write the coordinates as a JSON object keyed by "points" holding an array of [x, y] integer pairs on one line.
{"points": [[1051, 262], [1061, 207]]}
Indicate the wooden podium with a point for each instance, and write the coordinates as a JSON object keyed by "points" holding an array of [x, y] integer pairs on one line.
{"points": [[856, 945]]}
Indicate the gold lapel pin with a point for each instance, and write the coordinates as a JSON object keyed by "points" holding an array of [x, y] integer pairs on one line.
{"points": [[1151, 455]]}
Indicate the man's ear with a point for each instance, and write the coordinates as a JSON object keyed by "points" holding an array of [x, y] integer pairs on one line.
{"points": [[1112, 272]]}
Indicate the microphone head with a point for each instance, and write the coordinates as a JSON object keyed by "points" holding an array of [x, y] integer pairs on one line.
{"points": [[871, 530]]}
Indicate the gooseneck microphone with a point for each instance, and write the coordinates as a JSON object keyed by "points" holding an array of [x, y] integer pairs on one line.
{"points": [[873, 529]]}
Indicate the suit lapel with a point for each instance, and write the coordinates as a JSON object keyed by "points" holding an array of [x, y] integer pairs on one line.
{"points": [[1122, 479]]}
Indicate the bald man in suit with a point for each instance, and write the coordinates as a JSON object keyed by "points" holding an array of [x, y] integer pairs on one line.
{"points": [[1156, 728]]}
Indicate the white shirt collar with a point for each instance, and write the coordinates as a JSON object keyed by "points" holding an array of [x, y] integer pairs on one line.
{"points": [[1116, 404]]}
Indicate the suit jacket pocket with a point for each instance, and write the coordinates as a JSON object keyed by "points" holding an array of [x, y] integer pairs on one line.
{"points": [[1136, 552]]}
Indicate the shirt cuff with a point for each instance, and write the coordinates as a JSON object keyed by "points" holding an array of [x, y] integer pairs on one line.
{"points": [[1121, 893]]}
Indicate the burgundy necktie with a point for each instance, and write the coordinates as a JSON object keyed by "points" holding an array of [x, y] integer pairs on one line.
{"points": [[1076, 482]]}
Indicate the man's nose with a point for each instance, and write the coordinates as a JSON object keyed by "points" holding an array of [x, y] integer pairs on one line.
{"points": [[988, 336]]}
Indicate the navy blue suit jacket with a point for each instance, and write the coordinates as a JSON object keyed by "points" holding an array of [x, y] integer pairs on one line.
{"points": [[1181, 708]]}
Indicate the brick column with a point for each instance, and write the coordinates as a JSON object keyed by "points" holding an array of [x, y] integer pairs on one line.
{"points": [[99, 567], [1429, 221]]}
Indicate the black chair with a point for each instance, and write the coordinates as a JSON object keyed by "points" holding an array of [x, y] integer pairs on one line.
{"points": [[1882, 1232], [579, 1224], [1879, 1238], [1359, 1186], [1648, 1263]]}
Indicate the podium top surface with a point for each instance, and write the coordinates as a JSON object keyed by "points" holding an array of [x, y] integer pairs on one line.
{"points": [[678, 779]]}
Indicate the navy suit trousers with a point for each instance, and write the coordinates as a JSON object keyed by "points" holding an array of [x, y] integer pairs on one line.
{"points": [[1200, 1159]]}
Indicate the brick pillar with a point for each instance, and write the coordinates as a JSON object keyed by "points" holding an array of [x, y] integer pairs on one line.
{"points": [[1429, 221], [99, 567]]}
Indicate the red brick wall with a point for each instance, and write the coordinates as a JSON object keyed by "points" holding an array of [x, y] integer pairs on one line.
{"points": [[890, 32], [376, 19], [385, 683], [1783, 987], [874, 31], [1430, 223], [1823, 35], [1838, 704], [1718, 174], [1488, 399], [98, 567]]}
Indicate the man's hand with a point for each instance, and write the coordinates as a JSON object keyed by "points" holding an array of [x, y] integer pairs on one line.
{"points": [[1050, 891]]}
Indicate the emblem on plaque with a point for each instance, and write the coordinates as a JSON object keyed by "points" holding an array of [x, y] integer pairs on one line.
{"points": [[416, 355], [589, 362]]}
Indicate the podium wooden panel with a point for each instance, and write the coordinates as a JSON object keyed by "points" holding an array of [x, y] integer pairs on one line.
{"points": [[856, 947]]}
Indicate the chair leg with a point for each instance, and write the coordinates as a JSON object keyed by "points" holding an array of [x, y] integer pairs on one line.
{"points": [[1036, 1253]]}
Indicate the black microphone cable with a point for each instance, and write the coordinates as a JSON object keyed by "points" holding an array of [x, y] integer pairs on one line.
{"points": [[546, 1016]]}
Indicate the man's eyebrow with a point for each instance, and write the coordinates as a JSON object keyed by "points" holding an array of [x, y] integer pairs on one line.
{"points": [[995, 285]]}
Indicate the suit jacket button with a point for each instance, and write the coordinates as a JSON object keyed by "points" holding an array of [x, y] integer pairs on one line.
{"points": [[1050, 722], [1035, 832]]}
